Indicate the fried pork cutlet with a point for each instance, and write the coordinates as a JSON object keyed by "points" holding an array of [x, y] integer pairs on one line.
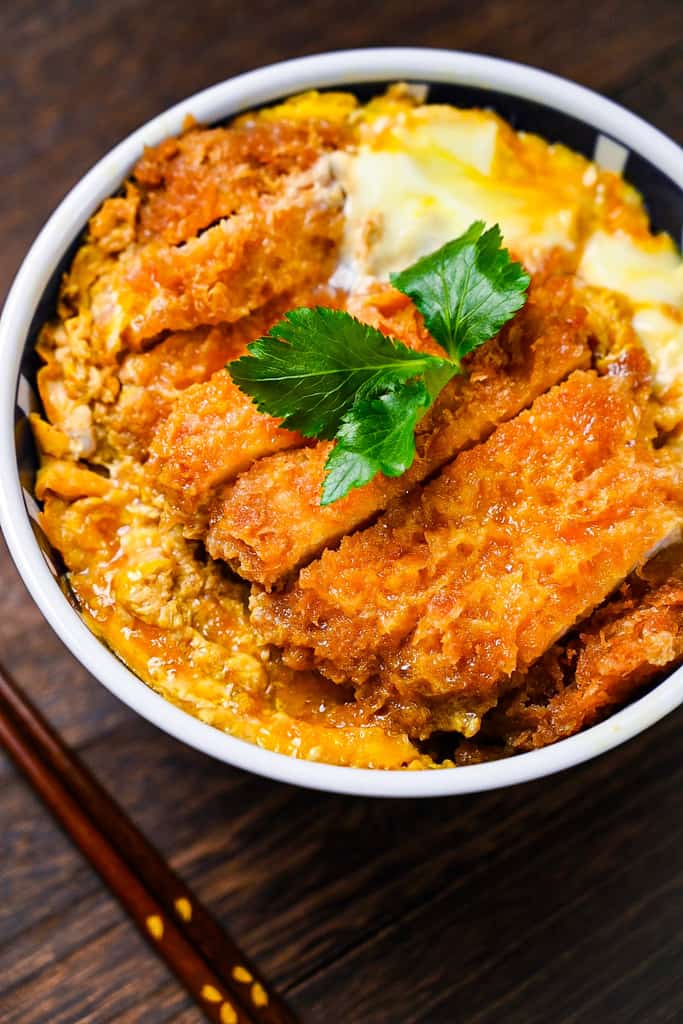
{"points": [[190, 182], [213, 431], [622, 647], [279, 243], [152, 381], [270, 520], [473, 577]]}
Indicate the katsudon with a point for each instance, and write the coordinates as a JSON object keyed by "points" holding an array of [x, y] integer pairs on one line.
{"points": [[362, 432]]}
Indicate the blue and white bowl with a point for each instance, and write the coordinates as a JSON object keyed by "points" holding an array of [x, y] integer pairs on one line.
{"points": [[530, 100]]}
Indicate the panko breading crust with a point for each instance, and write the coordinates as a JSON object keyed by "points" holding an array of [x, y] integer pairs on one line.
{"points": [[473, 577], [624, 646], [270, 521]]}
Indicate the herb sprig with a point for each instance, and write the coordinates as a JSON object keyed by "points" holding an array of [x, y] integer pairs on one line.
{"points": [[327, 375]]}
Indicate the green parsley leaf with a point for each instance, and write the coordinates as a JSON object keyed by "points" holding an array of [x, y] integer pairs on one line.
{"points": [[315, 364], [327, 375], [377, 435], [466, 290]]}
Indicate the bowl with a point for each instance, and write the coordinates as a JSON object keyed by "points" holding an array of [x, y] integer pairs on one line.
{"points": [[531, 100]]}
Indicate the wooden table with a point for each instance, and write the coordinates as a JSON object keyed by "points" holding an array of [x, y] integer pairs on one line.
{"points": [[558, 901]]}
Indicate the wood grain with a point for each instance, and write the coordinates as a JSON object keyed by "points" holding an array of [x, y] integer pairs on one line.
{"points": [[193, 945], [559, 901]]}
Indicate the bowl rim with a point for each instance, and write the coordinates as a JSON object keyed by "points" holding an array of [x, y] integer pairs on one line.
{"points": [[254, 88]]}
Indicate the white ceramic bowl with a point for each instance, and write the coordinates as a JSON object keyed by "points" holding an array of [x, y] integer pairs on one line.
{"points": [[571, 114]]}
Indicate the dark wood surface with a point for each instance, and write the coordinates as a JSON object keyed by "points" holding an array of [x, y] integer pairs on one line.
{"points": [[559, 901]]}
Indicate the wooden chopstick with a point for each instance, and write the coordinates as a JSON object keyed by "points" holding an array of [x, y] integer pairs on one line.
{"points": [[208, 963]]}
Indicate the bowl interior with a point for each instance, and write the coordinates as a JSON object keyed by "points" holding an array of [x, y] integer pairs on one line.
{"points": [[664, 201]]}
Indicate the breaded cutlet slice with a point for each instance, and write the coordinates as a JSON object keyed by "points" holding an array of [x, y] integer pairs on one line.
{"points": [[270, 521], [624, 645], [618, 657], [473, 577], [214, 431], [279, 243], [152, 381], [187, 183]]}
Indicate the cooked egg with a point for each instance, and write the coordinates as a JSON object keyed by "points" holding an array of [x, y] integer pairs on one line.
{"points": [[650, 274], [420, 177]]}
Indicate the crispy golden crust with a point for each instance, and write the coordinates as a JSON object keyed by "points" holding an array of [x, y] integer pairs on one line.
{"points": [[474, 576], [213, 430], [624, 645], [131, 284], [190, 182], [151, 382], [238, 265], [616, 659], [270, 520]]}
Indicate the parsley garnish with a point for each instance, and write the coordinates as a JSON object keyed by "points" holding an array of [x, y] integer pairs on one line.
{"points": [[328, 375], [313, 366], [377, 435], [466, 290]]}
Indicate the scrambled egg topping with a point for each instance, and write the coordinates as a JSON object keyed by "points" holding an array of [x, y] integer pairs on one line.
{"points": [[217, 234]]}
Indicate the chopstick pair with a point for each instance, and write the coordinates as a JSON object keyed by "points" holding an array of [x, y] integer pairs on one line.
{"points": [[205, 960]]}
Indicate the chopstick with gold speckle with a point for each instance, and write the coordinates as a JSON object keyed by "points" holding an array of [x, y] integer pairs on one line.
{"points": [[206, 961]]}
